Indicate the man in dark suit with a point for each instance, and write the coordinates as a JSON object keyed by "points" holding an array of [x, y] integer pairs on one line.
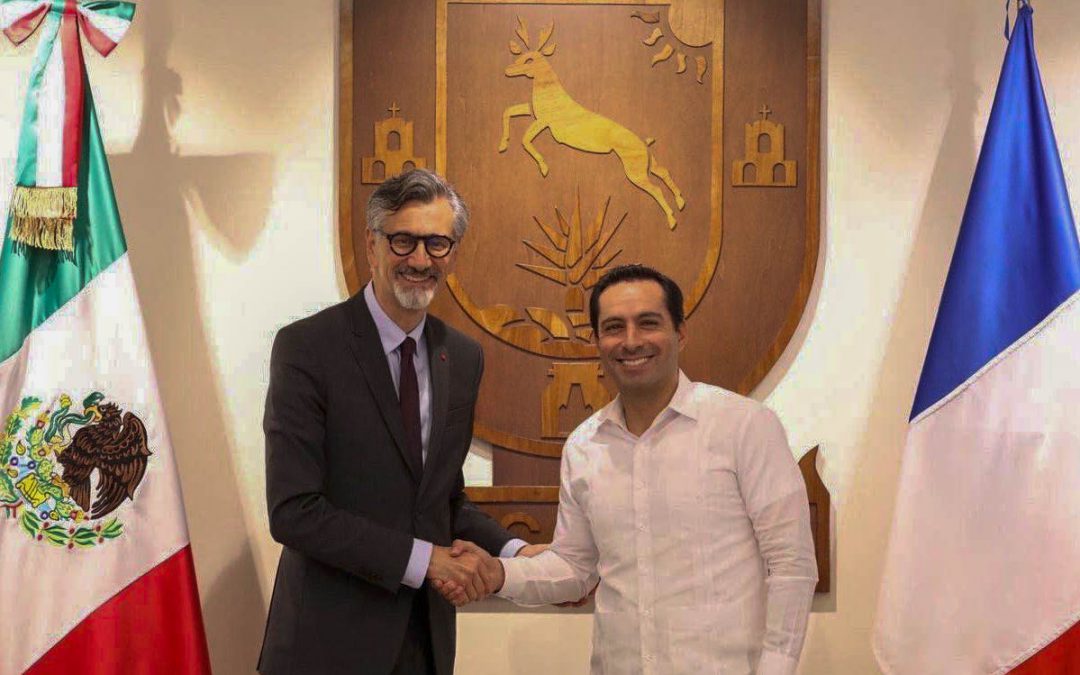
{"points": [[368, 420]]}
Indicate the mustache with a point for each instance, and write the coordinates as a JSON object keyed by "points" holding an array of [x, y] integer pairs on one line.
{"points": [[430, 272]]}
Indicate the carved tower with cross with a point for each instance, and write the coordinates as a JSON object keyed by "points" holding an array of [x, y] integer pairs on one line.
{"points": [[393, 149], [764, 165]]}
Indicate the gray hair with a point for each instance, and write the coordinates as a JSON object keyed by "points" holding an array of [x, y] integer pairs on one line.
{"points": [[417, 185]]}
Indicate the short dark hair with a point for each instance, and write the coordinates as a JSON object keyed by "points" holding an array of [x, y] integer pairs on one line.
{"points": [[673, 296], [416, 185]]}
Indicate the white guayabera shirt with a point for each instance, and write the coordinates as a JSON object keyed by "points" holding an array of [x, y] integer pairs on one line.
{"points": [[699, 530]]}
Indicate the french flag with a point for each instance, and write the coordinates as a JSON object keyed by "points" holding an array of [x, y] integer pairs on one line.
{"points": [[982, 573]]}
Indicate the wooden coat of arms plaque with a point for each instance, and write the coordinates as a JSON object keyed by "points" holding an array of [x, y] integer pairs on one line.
{"points": [[682, 134]]}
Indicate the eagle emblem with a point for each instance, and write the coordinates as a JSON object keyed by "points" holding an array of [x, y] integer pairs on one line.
{"points": [[117, 448], [65, 469]]}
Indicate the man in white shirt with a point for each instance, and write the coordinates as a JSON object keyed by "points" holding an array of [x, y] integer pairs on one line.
{"points": [[684, 500]]}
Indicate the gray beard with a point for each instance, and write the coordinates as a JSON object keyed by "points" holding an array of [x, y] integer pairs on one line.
{"points": [[414, 299]]}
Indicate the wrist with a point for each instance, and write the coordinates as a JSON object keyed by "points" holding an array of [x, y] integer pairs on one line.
{"points": [[433, 562]]}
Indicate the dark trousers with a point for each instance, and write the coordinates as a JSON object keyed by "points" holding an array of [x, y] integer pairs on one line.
{"points": [[415, 657]]}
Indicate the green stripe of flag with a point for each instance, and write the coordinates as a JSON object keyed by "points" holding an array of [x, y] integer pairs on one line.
{"points": [[35, 283], [120, 10]]}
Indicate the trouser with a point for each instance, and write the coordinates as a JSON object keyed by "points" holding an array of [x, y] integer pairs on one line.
{"points": [[416, 657]]}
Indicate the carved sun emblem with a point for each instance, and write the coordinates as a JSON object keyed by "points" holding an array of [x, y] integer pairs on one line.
{"points": [[693, 23]]}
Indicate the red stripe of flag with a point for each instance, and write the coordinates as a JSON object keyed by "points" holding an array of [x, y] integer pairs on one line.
{"points": [[18, 31], [73, 93], [97, 39], [1060, 657], [152, 627]]}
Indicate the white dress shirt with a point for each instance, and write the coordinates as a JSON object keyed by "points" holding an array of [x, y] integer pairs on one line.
{"points": [[699, 531], [391, 336]]}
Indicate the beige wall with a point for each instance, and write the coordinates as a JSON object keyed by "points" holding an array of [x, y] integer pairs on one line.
{"points": [[220, 120]]}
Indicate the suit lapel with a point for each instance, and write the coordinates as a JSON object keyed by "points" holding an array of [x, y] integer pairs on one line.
{"points": [[439, 368], [368, 350]]}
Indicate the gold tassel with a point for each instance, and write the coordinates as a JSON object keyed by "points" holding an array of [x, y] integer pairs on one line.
{"points": [[54, 234], [45, 202], [44, 217]]}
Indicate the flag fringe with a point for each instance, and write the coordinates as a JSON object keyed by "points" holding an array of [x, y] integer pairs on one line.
{"points": [[45, 202], [54, 234], [44, 217]]}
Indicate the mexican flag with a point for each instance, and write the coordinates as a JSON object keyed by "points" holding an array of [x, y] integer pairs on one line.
{"points": [[96, 573]]}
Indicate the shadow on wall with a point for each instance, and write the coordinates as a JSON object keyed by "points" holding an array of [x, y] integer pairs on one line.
{"points": [[870, 507], [156, 188]]}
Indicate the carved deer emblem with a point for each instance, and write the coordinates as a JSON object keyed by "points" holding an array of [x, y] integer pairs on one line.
{"points": [[576, 126]]}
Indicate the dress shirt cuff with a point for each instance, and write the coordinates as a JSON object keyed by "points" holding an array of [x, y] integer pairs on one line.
{"points": [[775, 663], [416, 570], [513, 580], [511, 548], [516, 583]]}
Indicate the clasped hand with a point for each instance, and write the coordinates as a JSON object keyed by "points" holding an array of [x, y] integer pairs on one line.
{"points": [[464, 572]]}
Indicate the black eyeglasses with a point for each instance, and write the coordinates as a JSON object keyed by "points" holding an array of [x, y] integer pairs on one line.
{"points": [[403, 243]]}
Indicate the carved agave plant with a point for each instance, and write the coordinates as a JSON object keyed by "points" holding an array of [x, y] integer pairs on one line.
{"points": [[578, 257]]}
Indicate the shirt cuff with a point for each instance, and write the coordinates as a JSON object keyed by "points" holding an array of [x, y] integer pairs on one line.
{"points": [[775, 663], [511, 548], [512, 581], [416, 570]]}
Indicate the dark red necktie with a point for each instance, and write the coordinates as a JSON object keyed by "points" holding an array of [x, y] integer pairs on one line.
{"points": [[409, 398]]}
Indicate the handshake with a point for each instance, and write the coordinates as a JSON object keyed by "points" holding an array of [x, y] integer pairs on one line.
{"points": [[465, 573]]}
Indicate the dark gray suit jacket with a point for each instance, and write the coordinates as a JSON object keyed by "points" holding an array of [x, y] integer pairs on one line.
{"points": [[346, 501]]}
